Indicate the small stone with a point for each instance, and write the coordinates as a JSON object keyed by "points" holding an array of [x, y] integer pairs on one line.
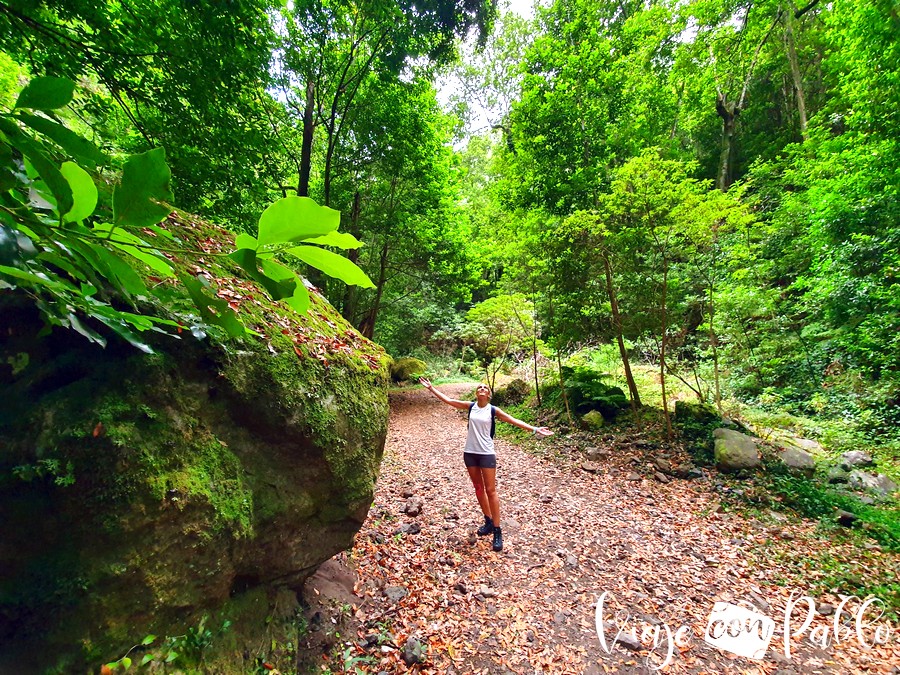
{"points": [[486, 592], [633, 476], [590, 467], [837, 474], [413, 651], [406, 493], [559, 618], [546, 499], [663, 464], [413, 506], [460, 587], [661, 477], [571, 561], [825, 609], [395, 593], [694, 473], [452, 515]]}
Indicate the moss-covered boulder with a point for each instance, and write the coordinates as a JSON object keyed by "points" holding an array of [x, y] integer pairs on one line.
{"points": [[405, 368], [140, 493], [593, 420], [734, 451]]}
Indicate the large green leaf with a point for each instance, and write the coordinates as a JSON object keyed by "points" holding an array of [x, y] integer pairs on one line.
{"points": [[332, 264], [341, 240], [292, 219], [141, 199], [77, 146], [46, 93], [213, 310], [84, 192], [246, 241], [129, 243], [44, 167], [278, 288], [124, 275]]}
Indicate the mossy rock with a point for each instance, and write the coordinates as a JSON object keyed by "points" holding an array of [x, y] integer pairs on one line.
{"points": [[593, 420], [699, 413], [405, 368], [139, 493]]}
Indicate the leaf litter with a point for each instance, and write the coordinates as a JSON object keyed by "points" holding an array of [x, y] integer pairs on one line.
{"points": [[666, 553]]}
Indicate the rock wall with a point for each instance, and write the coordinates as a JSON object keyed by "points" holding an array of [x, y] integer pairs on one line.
{"points": [[139, 493]]}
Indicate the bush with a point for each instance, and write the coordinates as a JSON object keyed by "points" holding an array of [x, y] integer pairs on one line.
{"points": [[512, 394], [588, 391], [405, 368]]}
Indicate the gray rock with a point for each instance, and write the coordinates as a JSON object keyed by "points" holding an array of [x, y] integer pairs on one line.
{"points": [[837, 474], [413, 506], [825, 609], [395, 593], [880, 484], [486, 592], [633, 476], [590, 467], [694, 472], [571, 561], [798, 461], [594, 454], [855, 459], [663, 464], [661, 477], [413, 652], [409, 528], [735, 451]]}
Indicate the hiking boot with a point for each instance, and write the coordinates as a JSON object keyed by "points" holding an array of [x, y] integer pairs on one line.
{"points": [[498, 539], [487, 528]]}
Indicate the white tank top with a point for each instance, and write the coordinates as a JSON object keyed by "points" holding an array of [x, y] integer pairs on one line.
{"points": [[478, 440]]}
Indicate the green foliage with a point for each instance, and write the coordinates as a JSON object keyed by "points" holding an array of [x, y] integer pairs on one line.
{"points": [[514, 393], [185, 651], [587, 390], [71, 262]]}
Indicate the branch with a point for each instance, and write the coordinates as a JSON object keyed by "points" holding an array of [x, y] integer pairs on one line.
{"points": [[759, 47], [800, 12]]}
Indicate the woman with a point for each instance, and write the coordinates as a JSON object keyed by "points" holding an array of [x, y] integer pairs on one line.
{"points": [[479, 456]]}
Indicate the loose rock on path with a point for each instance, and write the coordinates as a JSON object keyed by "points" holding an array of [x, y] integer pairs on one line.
{"points": [[436, 599]]}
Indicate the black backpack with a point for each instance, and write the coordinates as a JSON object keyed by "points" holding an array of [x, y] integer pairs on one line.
{"points": [[493, 417]]}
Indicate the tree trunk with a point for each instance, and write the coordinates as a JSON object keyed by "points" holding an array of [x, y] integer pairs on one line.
{"points": [[351, 292], [662, 354], [795, 70], [562, 388], [617, 323], [728, 111], [306, 148], [367, 327]]}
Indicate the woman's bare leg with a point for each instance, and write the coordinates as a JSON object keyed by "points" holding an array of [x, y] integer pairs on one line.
{"points": [[489, 477], [478, 482]]}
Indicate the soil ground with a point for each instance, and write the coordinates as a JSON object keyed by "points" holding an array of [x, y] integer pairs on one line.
{"points": [[432, 597]]}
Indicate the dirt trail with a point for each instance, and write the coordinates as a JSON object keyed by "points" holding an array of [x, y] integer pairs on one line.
{"points": [[661, 550]]}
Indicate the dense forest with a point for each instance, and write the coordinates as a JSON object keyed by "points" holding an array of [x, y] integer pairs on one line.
{"points": [[691, 200]]}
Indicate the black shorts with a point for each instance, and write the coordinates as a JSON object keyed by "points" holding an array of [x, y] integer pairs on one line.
{"points": [[479, 460]]}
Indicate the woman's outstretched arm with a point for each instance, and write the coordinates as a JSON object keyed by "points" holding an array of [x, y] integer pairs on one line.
{"points": [[537, 431], [462, 405]]}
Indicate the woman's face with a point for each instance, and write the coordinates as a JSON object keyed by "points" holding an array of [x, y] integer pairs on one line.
{"points": [[483, 393]]}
